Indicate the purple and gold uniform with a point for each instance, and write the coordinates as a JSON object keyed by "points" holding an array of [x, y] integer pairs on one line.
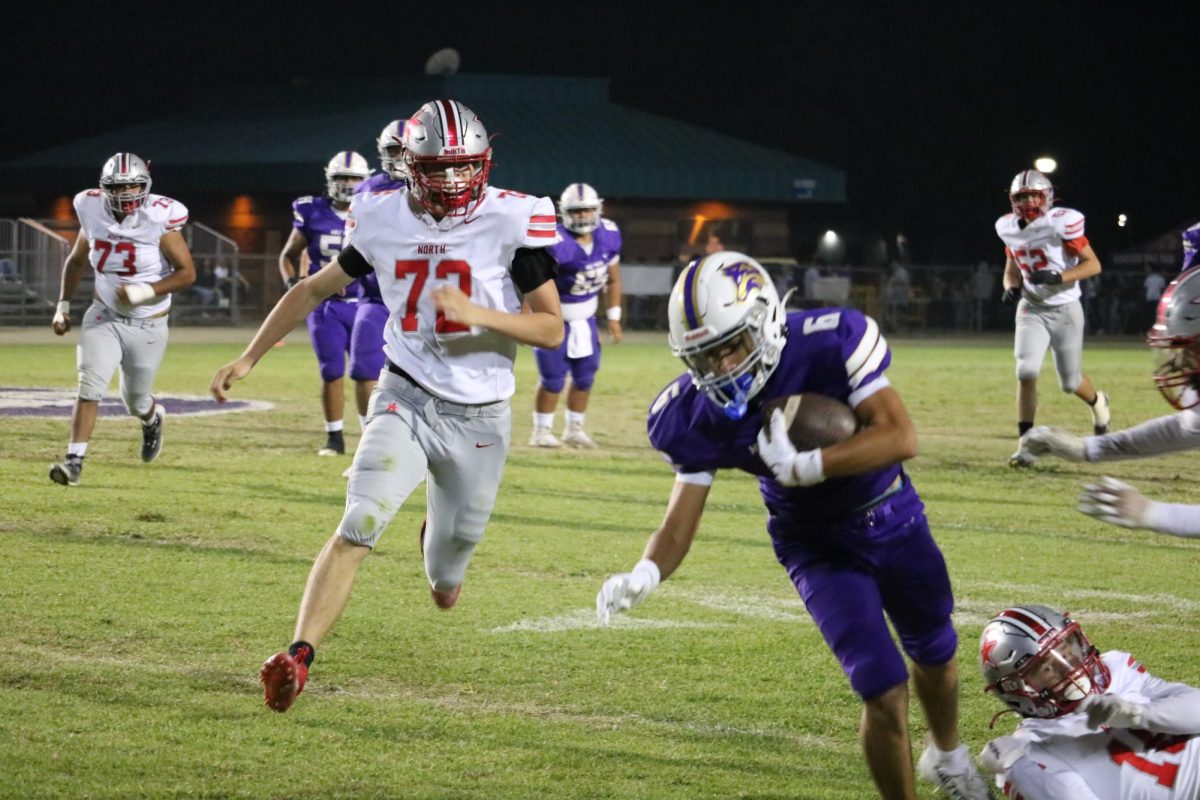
{"points": [[366, 338], [330, 324], [855, 547], [582, 275]]}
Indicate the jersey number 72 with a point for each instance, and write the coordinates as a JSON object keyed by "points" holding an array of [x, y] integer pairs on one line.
{"points": [[418, 270]]}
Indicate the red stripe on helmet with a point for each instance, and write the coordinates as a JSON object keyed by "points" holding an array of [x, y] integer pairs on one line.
{"points": [[1029, 622], [448, 112]]}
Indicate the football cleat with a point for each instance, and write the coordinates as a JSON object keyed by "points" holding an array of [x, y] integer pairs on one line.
{"points": [[1101, 414], [575, 436], [957, 783], [443, 600], [67, 473], [282, 677], [152, 437], [542, 437], [1022, 458], [335, 445]]}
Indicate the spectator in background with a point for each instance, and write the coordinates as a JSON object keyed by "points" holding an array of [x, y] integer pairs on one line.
{"points": [[1093, 306], [983, 288], [897, 293], [713, 244], [226, 278], [205, 288], [811, 275], [1153, 285]]}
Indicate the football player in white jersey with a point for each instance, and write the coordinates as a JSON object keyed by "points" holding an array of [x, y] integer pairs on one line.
{"points": [[124, 234], [1047, 255], [1095, 726], [454, 258], [1176, 335]]}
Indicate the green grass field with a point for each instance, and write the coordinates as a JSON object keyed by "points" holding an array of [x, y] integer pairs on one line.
{"points": [[136, 608]]}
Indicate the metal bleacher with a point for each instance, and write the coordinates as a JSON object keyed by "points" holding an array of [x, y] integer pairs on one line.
{"points": [[32, 253]]}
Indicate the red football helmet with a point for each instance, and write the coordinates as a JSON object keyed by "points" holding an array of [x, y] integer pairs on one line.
{"points": [[1176, 333], [448, 157], [1031, 194]]}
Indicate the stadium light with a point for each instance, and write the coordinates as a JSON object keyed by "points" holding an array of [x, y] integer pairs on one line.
{"points": [[1045, 164], [830, 239], [1121, 220]]}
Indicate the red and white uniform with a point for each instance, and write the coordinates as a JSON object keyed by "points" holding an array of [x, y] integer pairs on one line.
{"points": [[1051, 242], [412, 254], [128, 251], [1066, 759]]}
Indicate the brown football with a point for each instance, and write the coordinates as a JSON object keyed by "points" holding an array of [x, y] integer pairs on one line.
{"points": [[813, 420]]}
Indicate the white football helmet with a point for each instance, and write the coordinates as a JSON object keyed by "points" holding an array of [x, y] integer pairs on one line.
{"points": [[125, 182], [1176, 333], [724, 305], [390, 146], [1039, 661], [1031, 194], [344, 171], [448, 156], [580, 207]]}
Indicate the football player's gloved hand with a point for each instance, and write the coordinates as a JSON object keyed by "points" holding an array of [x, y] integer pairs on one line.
{"points": [[624, 591], [1110, 710], [1011, 295], [136, 293], [1044, 440], [1045, 277], [62, 317], [1001, 753], [1116, 503], [790, 467]]}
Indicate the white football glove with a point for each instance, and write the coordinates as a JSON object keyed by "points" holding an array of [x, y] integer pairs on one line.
{"points": [[1001, 753], [790, 467], [624, 591], [1044, 440], [1116, 503], [1110, 710], [138, 293]]}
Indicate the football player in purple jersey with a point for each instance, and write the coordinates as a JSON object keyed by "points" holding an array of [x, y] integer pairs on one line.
{"points": [[588, 253], [845, 521], [318, 225]]}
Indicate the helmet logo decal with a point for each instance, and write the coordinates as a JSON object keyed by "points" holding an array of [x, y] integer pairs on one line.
{"points": [[985, 652], [745, 278]]}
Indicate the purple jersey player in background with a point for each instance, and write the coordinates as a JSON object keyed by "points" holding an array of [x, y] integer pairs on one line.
{"points": [[366, 337], [1191, 247], [589, 261], [317, 227], [845, 522]]}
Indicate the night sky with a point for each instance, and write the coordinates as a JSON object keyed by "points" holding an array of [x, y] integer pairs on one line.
{"points": [[930, 108]]}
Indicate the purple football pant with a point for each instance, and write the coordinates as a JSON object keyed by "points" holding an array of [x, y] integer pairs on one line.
{"points": [[366, 341], [553, 365], [851, 573], [329, 327]]}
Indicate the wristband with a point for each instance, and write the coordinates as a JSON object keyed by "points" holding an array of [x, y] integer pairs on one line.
{"points": [[649, 570], [138, 293], [613, 314], [64, 307]]}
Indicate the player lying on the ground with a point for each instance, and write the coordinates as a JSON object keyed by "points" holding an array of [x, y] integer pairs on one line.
{"points": [[1095, 726]]}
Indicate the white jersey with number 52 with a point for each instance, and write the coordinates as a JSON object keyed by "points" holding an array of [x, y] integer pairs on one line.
{"points": [[412, 255], [1068, 759], [1051, 242], [128, 251]]}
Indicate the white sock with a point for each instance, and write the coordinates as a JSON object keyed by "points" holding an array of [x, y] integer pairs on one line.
{"points": [[575, 419], [956, 760], [77, 449], [543, 420], [333, 427]]}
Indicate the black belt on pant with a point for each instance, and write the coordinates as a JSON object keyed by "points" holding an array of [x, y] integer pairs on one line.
{"points": [[395, 370], [392, 368]]}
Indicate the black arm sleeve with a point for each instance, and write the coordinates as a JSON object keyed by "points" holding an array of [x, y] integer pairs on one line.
{"points": [[531, 267], [353, 263]]}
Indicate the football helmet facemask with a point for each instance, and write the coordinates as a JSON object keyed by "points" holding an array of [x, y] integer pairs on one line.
{"points": [[344, 171], [125, 183], [724, 307], [1040, 662], [580, 207], [1031, 194], [390, 146], [1176, 337], [448, 156]]}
